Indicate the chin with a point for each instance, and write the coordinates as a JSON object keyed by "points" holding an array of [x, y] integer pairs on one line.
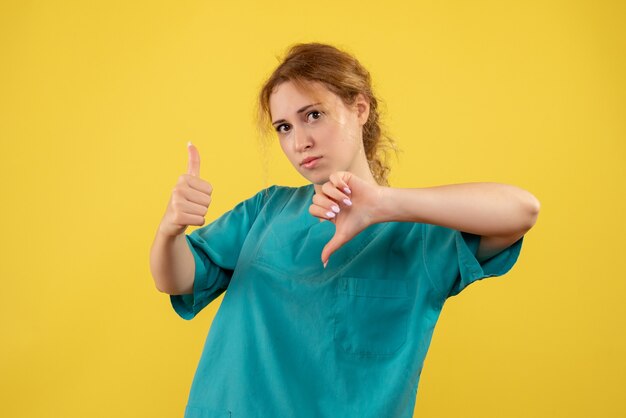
{"points": [[316, 178]]}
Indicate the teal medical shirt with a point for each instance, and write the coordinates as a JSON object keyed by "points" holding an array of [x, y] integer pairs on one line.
{"points": [[292, 339]]}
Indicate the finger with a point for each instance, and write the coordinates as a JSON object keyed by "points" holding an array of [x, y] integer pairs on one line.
{"points": [[338, 196], [339, 182], [191, 208], [193, 195], [186, 213], [198, 184], [187, 180], [333, 245], [323, 201], [321, 212], [185, 219], [193, 166]]}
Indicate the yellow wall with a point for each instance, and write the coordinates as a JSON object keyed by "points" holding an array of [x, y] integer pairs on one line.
{"points": [[97, 103]]}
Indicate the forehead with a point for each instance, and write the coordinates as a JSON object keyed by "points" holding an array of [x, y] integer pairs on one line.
{"points": [[287, 98]]}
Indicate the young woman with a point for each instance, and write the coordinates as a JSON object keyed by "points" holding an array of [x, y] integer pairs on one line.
{"points": [[327, 319]]}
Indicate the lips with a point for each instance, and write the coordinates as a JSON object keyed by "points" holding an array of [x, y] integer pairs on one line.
{"points": [[308, 159]]}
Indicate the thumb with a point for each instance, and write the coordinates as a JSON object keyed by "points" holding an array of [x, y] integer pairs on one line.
{"points": [[333, 245], [193, 167]]}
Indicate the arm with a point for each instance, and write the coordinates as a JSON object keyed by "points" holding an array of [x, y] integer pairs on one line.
{"points": [[499, 213], [172, 264], [171, 261]]}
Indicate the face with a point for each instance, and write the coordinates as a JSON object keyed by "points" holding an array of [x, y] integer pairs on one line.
{"points": [[319, 127]]}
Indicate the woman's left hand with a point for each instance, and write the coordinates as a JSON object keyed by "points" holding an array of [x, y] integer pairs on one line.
{"points": [[349, 202]]}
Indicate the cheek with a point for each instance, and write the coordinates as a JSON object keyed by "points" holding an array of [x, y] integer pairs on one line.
{"points": [[290, 156], [341, 129]]}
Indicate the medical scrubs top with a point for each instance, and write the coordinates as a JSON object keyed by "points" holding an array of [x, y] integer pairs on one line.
{"points": [[294, 339]]}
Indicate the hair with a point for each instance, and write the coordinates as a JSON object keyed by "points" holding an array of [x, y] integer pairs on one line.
{"points": [[343, 75]]}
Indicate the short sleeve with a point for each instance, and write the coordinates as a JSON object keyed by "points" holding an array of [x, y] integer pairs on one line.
{"points": [[216, 248], [450, 259]]}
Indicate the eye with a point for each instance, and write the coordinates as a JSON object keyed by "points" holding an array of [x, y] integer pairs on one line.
{"points": [[314, 112], [278, 128]]}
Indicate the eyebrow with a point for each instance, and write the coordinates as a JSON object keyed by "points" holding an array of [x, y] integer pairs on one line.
{"points": [[302, 109]]}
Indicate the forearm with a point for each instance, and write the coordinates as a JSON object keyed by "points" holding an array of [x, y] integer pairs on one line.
{"points": [[487, 209], [172, 264]]}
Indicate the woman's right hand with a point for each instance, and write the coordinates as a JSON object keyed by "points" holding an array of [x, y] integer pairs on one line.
{"points": [[190, 199]]}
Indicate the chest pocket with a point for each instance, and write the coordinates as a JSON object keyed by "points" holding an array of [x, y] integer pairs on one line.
{"points": [[371, 317]]}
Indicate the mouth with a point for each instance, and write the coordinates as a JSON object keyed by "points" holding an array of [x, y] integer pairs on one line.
{"points": [[309, 162]]}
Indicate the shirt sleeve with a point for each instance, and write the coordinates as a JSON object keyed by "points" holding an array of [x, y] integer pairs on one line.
{"points": [[451, 263], [216, 248]]}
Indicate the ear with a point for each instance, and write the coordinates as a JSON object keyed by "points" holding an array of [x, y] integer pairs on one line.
{"points": [[363, 108]]}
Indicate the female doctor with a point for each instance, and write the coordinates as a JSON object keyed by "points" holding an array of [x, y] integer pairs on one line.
{"points": [[325, 319]]}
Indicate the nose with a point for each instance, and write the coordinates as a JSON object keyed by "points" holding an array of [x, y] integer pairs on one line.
{"points": [[302, 140]]}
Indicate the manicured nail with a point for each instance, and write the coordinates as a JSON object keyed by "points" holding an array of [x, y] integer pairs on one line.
{"points": [[347, 190], [330, 214], [189, 143], [347, 202], [335, 208], [325, 263]]}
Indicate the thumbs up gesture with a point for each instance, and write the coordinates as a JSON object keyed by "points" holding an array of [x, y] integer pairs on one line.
{"points": [[190, 199]]}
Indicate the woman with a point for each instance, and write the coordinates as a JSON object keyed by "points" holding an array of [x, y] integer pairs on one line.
{"points": [[332, 318]]}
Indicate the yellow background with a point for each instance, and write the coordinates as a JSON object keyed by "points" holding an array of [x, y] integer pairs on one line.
{"points": [[97, 103]]}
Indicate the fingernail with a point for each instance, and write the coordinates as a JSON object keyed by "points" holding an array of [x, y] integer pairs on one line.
{"points": [[335, 208], [347, 202], [189, 143], [347, 190], [325, 263], [330, 214]]}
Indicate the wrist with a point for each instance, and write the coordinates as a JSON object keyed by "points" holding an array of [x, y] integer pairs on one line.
{"points": [[399, 205], [169, 236], [383, 209]]}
